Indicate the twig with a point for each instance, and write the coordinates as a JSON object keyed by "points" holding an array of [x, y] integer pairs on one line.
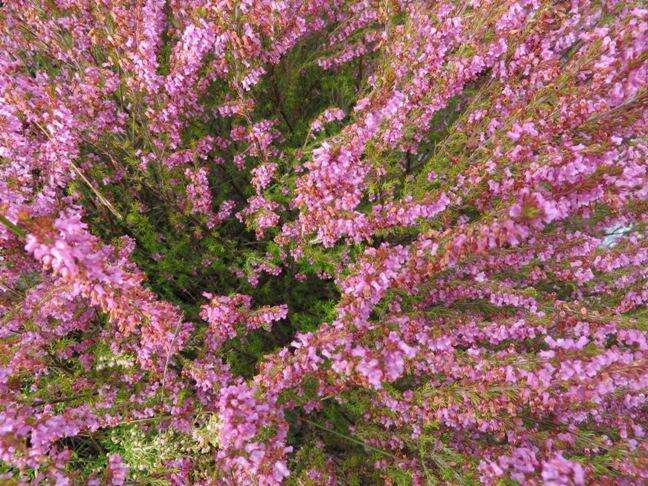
{"points": [[100, 196], [351, 439], [15, 229]]}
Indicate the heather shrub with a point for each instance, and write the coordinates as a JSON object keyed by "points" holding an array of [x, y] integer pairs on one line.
{"points": [[316, 243]]}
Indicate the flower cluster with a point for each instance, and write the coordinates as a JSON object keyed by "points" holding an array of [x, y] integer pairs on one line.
{"points": [[307, 242]]}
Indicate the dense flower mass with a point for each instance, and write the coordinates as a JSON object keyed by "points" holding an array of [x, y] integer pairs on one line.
{"points": [[315, 242]]}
